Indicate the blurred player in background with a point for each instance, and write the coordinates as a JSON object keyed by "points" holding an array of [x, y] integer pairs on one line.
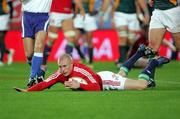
{"points": [[127, 24], [61, 16], [5, 18], [88, 25], [35, 21], [142, 38], [165, 17], [103, 80]]}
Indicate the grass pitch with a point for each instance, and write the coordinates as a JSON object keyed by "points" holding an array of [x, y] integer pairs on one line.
{"points": [[162, 102]]}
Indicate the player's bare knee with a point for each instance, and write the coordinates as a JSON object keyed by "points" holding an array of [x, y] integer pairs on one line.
{"points": [[39, 47], [69, 33], [52, 35], [132, 36], [122, 33]]}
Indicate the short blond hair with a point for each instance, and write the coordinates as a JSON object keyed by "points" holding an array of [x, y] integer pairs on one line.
{"points": [[65, 57]]}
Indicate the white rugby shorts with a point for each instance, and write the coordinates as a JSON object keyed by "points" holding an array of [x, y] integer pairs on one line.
{"points": [[169, 19], [4, 22], [112, 81], [129, 20], [88, 23]]}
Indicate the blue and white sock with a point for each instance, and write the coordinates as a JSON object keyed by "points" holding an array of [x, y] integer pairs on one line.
{"points": [[36, 64]]}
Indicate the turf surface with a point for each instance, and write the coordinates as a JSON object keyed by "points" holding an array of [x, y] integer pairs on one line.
{"points": [[162, 102]]}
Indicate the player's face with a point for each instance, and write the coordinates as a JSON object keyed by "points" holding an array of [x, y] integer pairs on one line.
{"points": [[65, 67]]}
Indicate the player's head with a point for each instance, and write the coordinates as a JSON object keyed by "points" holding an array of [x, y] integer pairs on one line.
{"points": [[65, 63]]}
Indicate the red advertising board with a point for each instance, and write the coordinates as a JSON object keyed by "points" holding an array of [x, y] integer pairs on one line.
{"points": [[105, 46]]}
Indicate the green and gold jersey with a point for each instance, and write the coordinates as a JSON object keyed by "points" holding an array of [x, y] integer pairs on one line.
{"points": [[86, 5], [3, 7], [165, 4], [127, 6]]}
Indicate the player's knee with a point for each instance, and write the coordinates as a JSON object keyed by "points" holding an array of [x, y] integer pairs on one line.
{"points": [[69, 33], [122, 33], [132, 36], [52, 35]]}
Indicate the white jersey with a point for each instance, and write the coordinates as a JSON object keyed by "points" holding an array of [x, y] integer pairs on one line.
{"points": [[36, 6]]}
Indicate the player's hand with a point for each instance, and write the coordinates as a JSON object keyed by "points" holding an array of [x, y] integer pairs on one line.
{"points": [[151, 3], [72, 84], [146, 19], [83, 14]]}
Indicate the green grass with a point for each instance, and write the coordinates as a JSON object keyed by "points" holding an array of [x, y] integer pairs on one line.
{"points": [[162, 102]]}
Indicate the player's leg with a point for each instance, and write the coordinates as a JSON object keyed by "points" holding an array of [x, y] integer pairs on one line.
{"points": [[90, 46], [55, 24], [37, 57], [2, 47], [112, 81], [40, 32], [10, 56], [122, 45], [141, 62], [173, 24], [176, 37], [122, 30], [52, 36], [149, 72], [4, 26], [89, 32], [131, 84], [28, 40], [156, 36], [133, 29], [70, 34], [146, 78], [157, 30], [126, 66], [29, 49]]}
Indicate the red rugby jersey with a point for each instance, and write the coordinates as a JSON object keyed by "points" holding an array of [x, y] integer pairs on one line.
{"points": [[94, 82], [61, 6]]}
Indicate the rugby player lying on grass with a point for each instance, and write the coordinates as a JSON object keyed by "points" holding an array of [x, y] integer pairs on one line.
{"points": [[77, 76]]}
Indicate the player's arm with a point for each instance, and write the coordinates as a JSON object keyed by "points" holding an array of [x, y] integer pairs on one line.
{"points": [[114, 7], [91, 6], [103, 9], [50, 81], [143, 5], [42, 85], [10, 3], [116, 4], [79, 6], [105, 5], [73, 84], [151, 3]]}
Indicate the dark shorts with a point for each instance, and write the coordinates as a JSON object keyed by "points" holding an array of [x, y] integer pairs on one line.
{"points": [[33, 23]]}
